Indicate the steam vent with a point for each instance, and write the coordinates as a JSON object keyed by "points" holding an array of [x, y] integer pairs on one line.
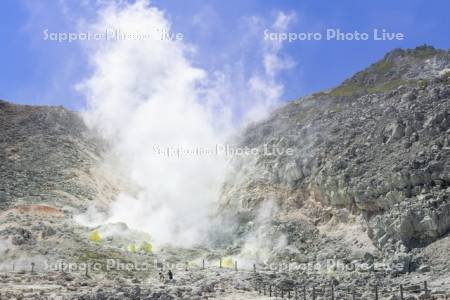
{"points": [[256, 150]]}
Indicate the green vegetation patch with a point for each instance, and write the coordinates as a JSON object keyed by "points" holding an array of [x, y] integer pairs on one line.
{"points": [[350, 89]]}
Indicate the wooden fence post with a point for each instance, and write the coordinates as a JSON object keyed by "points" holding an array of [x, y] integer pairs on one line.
{"points": [[270, 290], [203, 264], [235, 265], [220, 263], [314, 293], [32, 267], [254, 268], [425, 287], [353, 295], [401, 292], [376, 292], [304, 292], [332, 291]]}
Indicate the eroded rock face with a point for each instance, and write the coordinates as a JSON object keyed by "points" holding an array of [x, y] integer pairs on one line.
{"points": [[368, 180], [51, 169], [48, 156], [377, 146]]}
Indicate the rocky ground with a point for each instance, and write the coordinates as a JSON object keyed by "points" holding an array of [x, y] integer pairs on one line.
{"points": [[368, 176], [212, 283], [361, 202], [194, 284]]}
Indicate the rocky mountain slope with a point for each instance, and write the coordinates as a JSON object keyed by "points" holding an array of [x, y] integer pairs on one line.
{"points": [[48, 156], [52, 168], [369, 176], [359, 173]]}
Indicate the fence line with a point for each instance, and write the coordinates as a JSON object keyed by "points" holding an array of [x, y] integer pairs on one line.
{"points": [[300, 291], [304, 292]]}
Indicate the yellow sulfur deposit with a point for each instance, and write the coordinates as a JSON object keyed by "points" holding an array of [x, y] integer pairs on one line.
{"points": [[132, 248], [146, 247], [227, 262], [95, 236]]}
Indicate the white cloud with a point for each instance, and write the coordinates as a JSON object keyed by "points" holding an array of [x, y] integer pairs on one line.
{"points": [[265, 86], [273, 62]]}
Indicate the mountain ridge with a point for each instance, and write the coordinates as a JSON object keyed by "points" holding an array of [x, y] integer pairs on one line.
{"points": [[370, 156], [368, 183]]}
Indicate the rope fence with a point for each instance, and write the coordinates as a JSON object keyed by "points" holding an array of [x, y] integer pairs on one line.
{"points": [[314, 291]]}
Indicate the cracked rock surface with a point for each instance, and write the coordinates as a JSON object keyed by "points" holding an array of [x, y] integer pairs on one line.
{"points": [[367, 183]]}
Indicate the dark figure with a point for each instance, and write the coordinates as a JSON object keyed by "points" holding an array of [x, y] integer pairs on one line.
{"points": [[161, 276], [170, 274]]}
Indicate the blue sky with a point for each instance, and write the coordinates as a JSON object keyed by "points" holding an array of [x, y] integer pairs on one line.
{"points": [[35, 71]]}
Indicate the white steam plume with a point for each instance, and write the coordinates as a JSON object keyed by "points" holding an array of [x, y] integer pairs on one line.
{"points": [[145, 95]]}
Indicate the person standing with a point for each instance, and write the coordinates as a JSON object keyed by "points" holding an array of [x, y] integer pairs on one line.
{"points": [[161, 276]]}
